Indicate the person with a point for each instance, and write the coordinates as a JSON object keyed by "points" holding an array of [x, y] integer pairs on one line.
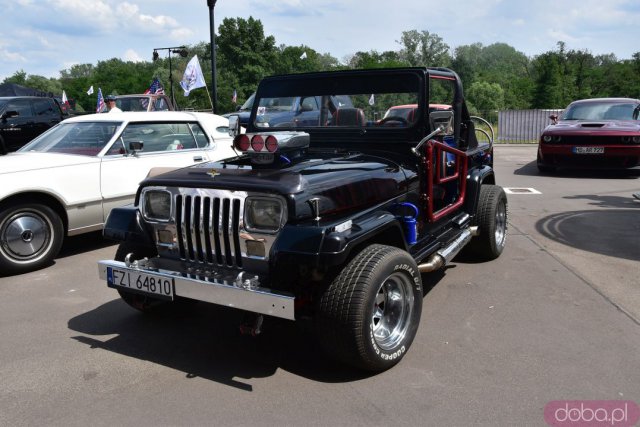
{"points": [[111, 104]]}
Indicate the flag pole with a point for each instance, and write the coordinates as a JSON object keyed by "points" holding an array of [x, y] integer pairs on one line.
{"points": [[208, 94]]}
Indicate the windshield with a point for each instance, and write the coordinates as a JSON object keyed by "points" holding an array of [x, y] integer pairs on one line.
{"points": [[600, 111], [86, 138], [338, 100], [248, 104]]}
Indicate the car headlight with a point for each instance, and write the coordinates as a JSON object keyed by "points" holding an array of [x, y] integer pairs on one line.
{"points": [[263, 214], [156, 205]]}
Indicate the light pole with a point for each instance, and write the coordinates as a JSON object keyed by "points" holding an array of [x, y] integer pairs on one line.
{"points": [[180, 50], [212, 30]]}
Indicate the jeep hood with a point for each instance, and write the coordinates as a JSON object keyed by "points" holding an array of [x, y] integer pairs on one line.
{"points": [[341, 182]]}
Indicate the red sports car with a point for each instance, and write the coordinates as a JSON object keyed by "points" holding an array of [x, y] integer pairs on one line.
{"points": [[601, 133]]}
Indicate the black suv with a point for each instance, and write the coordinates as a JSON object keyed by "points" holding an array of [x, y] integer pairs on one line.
{"points": [[22, 118], [333, 222]]}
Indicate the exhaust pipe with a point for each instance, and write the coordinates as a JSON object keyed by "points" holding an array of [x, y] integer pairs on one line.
{"points": [[445, 255]]}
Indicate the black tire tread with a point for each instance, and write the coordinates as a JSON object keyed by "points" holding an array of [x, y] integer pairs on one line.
{"points": [[482, 247], [340, 315]]}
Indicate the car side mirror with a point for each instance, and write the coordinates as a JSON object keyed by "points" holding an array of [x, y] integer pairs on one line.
{"points": [[135, 147], [9, 114], [234, 125], [554, 119], [442, 119]]}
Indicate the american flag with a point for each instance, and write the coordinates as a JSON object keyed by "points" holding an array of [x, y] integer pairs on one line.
{"points": [[155, 88], [234, 98], [100, 106]]}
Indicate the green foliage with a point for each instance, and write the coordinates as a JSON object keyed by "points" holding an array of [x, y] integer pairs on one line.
{"points": [[424, 49], [496, 76], [486, 96]]}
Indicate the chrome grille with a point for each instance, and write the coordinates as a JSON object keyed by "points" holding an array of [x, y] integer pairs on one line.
{"points": [[208, 228]]}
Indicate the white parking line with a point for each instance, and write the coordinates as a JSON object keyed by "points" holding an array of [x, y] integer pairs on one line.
{"points": [[520, 190]]}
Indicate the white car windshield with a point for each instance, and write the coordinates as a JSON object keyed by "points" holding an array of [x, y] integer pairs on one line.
{"points": [[83, 138]]}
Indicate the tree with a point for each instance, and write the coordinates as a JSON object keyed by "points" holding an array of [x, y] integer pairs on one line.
{"points": [[373, 59], [245, 53], [424, 49], [486, 97], [18, 78]]}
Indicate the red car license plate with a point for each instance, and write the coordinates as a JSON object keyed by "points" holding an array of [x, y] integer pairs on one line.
{"points": [[588, 150]]}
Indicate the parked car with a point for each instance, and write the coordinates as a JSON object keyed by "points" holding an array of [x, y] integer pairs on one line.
{"points": [[332, 221], [243, 111], [22, 118], [598, 133], [144, 102], [285, 111], [405, 114], [66, 181]]}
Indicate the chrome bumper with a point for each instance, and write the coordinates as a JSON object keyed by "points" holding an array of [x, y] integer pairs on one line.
{"points": [[257, 300]]}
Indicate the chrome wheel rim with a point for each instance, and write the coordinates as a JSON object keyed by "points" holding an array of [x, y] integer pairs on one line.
{"points": [[501, 224], [26, 236], [392, 311]]}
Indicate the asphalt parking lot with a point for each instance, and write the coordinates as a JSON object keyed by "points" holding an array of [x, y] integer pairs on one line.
{"points": [[556, 317]]}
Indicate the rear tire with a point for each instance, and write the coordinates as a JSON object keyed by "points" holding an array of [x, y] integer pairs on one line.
{"points": [[369, 315], [31, 235], [491, 220]]}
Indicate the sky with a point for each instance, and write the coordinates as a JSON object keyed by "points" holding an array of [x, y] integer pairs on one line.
{"points": [[43, 37]]}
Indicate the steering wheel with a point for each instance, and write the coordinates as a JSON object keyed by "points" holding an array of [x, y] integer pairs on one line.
{"points": [[393, 119]]}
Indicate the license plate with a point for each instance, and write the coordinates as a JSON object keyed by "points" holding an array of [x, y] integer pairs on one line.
{"points": [[588, 150], [146, 283]]}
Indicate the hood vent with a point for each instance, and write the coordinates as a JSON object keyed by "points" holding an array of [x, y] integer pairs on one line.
{"points": [[592, 125]]}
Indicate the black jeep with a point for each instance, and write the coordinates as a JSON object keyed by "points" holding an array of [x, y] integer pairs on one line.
{"points": [[333, 221]]}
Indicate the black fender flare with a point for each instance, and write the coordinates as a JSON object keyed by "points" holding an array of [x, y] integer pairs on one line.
{"points": [[126, 224], [332, 245], [475, 179]]}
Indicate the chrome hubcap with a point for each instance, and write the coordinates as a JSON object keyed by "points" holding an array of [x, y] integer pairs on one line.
{"points": [[501, 224], [25, 235], [392, 311]]}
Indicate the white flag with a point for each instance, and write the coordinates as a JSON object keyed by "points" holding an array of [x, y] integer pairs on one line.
{"points": [[372, 100], [193, 77], [64, 98], [90, 91], [304, 55]]}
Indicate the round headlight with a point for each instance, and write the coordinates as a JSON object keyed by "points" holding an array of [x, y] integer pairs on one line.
{"points": [[263, 214], [635, 139], [157, 205], [546, 138]]}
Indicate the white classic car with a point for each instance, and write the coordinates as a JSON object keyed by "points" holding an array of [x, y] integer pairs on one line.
{"points": [[67, 180]]}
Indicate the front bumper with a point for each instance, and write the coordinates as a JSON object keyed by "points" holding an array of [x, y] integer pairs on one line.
{"points": [[614, 156], [254, 299]]}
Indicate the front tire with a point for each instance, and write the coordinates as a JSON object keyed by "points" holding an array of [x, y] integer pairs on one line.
{"points": [[31, 235], [140, 302], [491, 220], [369, 315]]}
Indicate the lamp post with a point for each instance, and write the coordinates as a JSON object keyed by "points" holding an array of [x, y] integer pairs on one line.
{"points": [[212, 30], [180, 50]]}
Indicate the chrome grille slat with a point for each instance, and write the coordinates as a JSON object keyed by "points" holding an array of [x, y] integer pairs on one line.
{"points": [[209, 228]]}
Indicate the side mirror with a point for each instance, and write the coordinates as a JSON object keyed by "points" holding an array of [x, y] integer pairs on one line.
{"points": [[234, 125], [135, 146], [442, 119], [238, 107], [554, 119], [9, 114]]}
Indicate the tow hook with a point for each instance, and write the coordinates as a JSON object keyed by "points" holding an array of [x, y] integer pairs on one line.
{"points": [[251, 324]]}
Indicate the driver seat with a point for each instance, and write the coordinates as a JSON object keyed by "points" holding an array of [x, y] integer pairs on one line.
{"points": [[349, 117]]}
